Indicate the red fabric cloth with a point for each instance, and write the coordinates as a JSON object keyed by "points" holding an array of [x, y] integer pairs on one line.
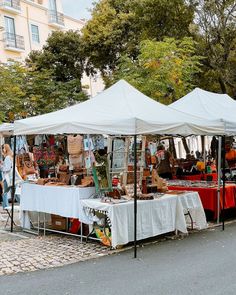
{"points": [[214, 176], [209, 196]]}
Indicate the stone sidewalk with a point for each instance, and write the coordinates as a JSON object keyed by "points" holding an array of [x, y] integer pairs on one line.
{"points": [[21, 252], [34, 253]]}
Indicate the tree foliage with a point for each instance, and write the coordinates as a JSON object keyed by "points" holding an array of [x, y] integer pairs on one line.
{"points": [[62, 57], [26, 92], [216, 33], [164, 70], [118, 26], [12, 91]]}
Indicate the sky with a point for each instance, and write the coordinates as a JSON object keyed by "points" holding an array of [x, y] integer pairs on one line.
{"points": [[77, 8]]}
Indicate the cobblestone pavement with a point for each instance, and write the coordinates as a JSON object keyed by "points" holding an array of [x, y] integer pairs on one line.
{"points": [[30, 254], [20, 252]]}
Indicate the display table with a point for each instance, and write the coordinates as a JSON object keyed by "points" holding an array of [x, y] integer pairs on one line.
{"points": [[60, 200], [209, 196], [154, 217]]}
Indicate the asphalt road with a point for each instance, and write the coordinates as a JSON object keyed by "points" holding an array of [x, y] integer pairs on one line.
{"points": [[202, 263]]}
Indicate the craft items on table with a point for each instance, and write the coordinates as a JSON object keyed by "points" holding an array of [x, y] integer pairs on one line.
{"points": [[129, 190], [208, 193], [159, 182]]}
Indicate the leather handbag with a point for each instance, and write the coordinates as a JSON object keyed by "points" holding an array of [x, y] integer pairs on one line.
{"points": [[75, 144], [42, 181], [77, 168], [76, 159], [64, 178], [87, 181], [63, 168], [28, 168]]}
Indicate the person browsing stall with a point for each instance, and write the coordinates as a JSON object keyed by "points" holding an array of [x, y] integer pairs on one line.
{"points": [[165, 162], [7, 171]]}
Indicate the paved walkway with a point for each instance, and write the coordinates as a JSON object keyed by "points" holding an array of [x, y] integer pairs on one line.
{"points": [[201, 264], [30, 254], [21, 252]]}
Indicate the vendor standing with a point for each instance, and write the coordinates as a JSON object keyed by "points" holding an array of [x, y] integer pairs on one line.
{"points": [[165, 162], [7, 170]]}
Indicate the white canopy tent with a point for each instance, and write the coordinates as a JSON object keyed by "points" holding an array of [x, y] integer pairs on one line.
{"points": [[120, 109], [209, 106], [6, 129]]}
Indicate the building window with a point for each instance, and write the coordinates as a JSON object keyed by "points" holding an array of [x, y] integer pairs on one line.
{"points": [[35, 33], [10, 25], [10, 33], [53, 5]]}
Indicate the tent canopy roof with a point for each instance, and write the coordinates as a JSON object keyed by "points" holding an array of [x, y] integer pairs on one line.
{"points": [[209, 105], [6, 129], [120, 109]]}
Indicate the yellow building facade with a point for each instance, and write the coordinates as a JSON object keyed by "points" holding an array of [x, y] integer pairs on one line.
{"points": [[25, 26]]}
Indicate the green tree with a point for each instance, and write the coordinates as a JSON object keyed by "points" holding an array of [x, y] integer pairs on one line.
{"points": [[25, 92], [118, 26], [164, 70], [63, 57], [215, 30], [12, 91]]}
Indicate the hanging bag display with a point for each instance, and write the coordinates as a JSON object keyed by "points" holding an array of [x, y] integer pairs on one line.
{"points": [[74, 144]]}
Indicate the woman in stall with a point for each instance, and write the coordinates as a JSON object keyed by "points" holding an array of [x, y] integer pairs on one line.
{"points": [[165, 162], [6, 166]]}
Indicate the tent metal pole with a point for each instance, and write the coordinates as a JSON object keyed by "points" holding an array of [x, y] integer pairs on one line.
{"points": [[219, 178], [204, 151], [135, 196], [223, 207], [13, 184]]}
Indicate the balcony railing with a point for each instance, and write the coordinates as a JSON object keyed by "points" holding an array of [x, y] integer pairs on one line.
{"points": [[56, 18], [13, 41], [11, 4]]}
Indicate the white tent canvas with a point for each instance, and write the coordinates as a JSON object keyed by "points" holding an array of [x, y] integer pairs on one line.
{"points": [[211, 106], [6, 129], [120, 109]]}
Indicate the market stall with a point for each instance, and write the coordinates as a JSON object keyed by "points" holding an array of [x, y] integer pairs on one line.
{"points": [[121, 110], [213, 106], [208, 193]]}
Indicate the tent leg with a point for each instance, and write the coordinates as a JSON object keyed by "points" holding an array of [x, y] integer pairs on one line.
{"points": [[223, 207], [13, 185], [219, 178], [135, 196]]}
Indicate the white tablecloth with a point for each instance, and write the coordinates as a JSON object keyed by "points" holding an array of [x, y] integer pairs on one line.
{"points": [[60, 200], [154, 217]]}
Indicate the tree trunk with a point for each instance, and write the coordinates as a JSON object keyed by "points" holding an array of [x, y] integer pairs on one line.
{"points": [[185, 145], [172, 147], [222, 85]]}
